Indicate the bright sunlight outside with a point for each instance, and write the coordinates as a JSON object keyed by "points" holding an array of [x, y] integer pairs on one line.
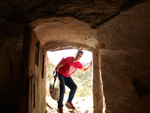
{"points": [[56, 56], [83, 97]]}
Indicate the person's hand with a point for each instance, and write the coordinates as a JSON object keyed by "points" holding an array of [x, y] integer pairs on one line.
{"points": [[55, 74]]}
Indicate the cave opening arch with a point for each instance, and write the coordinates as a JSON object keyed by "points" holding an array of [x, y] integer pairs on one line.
{"points": [[64, 33]]}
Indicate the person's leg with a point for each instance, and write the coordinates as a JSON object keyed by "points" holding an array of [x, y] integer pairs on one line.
{"points": [[73, 87], [62, 90]]}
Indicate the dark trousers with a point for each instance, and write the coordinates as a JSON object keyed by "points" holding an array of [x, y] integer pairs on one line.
{"points": [[71, 84]]}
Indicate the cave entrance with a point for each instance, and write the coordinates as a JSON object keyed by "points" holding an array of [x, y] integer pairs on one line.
{"points": [[83, 100], [39, 40]]}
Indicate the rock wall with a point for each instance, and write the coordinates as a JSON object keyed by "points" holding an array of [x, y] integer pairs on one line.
{"points": [[125, 57], [13, 96], [10, 63], [125, 61]]}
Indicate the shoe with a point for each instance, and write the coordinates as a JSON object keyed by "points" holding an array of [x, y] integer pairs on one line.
{"points": [[69, 105], [60, 110]]}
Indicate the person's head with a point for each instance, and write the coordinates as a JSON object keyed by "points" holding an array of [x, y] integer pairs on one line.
{"points": [[78, 55]]}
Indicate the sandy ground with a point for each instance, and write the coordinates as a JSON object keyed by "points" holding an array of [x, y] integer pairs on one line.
{"points": [[82, 104]]}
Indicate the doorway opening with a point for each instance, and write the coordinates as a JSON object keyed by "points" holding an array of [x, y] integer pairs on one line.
{"points": [[83, 99], [56, 34]]}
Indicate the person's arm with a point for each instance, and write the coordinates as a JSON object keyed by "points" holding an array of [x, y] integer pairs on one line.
{"points": [[63, 62], [57, 69], [87, 68], [58, 66]]}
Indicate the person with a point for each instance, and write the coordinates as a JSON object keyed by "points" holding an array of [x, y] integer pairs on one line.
{"points": [[64, 69]]}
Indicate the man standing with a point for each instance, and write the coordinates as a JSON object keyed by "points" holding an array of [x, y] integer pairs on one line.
{"points": [[64, 69]]}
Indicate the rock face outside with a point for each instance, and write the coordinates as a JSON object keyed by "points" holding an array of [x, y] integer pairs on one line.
{"points": [[123, 43]]}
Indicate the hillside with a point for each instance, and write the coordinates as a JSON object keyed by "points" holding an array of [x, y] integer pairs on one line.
{"points": [[82, 79]]}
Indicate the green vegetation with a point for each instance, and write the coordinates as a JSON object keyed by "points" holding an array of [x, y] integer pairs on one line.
{"points": [[82, 79]]}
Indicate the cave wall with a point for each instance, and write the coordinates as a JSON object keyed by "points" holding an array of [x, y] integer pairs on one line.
{"points": [[13, 83], [125, 60], [124, 43], [10, 63]]}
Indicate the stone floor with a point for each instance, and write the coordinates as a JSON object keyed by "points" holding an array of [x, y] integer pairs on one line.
{"points": [[82, 104]]}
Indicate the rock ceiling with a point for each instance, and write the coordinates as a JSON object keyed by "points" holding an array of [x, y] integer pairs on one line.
{"points": [[94, 12], [61, 20]]}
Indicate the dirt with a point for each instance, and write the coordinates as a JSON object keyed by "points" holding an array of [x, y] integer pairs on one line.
{"points": [[82, 104]]}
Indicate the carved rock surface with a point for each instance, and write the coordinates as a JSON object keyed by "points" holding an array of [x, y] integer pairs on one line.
{"points": [[94, 12], [123, 39]]}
